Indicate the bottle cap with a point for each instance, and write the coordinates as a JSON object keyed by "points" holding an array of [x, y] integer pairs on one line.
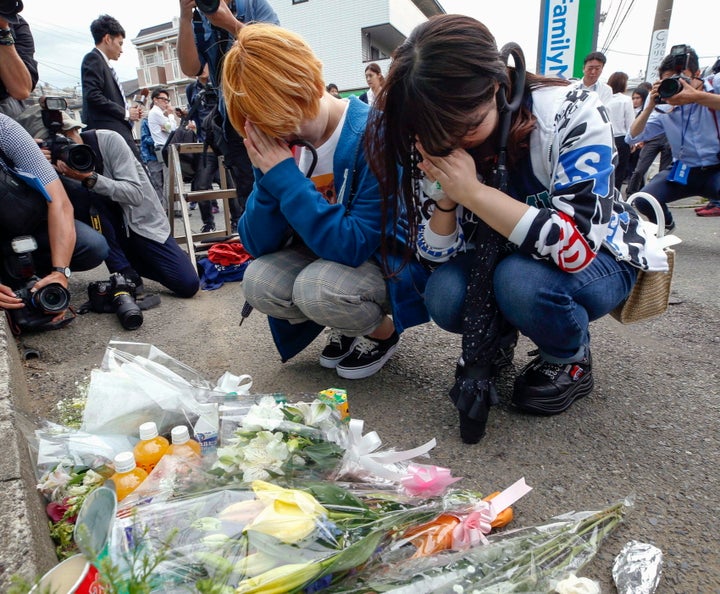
{"points": [[124, 462], [180, 434], [148, 430]]}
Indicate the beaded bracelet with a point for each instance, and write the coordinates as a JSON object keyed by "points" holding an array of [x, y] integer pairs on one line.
{"points": [[441, 209], [6, 37]]}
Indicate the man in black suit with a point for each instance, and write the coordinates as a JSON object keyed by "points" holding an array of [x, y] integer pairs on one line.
{"points": [[104, 105]]}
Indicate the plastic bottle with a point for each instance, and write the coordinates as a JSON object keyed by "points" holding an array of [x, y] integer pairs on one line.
{"points": [[128, 476], [181, 444], [150, 448], [206, 427]]}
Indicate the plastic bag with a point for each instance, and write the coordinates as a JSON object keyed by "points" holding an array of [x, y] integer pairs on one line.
{"points": [[138, 383]]}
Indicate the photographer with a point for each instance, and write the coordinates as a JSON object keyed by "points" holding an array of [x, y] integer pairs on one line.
{"points": [[18, 67], [691, 123], [63, 243], [202, 92], [204, 37], [130, 214]]}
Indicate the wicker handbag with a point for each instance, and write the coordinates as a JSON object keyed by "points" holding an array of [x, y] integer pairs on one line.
{"points": [[651, 293]]}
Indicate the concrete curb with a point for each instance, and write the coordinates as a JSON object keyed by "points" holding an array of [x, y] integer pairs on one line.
{"points": [[27, 549]]}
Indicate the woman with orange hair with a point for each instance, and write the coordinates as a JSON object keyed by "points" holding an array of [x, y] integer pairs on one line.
{"points": [[314, 220]]}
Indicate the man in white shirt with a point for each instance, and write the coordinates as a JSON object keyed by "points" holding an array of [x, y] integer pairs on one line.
{"points": [[592, 69], [161, 122], [161, 118]]}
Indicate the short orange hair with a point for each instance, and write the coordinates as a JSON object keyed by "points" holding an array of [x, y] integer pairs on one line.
{"points": [[272, 78]]}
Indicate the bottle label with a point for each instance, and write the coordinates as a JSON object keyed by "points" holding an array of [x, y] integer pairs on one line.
{"points": [[208, 441]]}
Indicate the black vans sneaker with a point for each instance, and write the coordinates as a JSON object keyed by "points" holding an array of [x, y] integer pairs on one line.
{"points": [[368, 357], [338, 347], [545, 388]]}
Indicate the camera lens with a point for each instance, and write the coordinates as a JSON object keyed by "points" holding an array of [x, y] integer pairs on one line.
{"points": [[128, 312], [52, 298], [669, 87], [79, 157]]}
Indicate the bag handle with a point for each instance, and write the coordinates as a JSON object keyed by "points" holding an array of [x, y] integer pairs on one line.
{"points": [[659, 216]]}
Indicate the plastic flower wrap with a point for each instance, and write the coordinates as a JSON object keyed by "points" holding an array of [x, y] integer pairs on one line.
{"points": [[138, 382], [277, 539], [533, 559], [65, 487]]}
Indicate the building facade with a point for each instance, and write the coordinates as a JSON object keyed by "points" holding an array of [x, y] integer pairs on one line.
{"points": [[345, 34]]}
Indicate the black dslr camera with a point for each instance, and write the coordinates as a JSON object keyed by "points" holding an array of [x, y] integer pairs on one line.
{"points": [[116, 295], [77, 156], [671, 86], [41, 306], [208, 96], [208, 6]]}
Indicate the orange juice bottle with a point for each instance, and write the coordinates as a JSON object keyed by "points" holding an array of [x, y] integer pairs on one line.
{"points": [[128, 476], [150, 448], [181, 444]]}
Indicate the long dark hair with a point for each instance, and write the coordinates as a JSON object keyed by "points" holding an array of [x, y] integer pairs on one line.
{"points": [[448, 67]]}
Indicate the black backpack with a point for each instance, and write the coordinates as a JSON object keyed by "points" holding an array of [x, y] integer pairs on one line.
{"points": [[22, 208]]}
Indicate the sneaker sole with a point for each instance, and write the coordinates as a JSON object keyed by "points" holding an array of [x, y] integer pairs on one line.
{"points": [[367, 370], [555, 406], [332, 363]]}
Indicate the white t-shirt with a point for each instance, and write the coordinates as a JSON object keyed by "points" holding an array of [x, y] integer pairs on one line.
{"points": [[323, 176]]}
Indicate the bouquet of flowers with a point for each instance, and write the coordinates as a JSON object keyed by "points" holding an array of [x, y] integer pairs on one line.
{"points": [[278, 440], [532, 559], [278, 539], [65, 487]]}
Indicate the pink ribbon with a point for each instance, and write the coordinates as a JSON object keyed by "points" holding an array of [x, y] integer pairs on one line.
{"points": [[472, 529], [427, 480]]}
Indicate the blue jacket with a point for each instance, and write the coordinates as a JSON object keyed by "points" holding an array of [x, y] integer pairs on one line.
{"points": [[349, 232]]}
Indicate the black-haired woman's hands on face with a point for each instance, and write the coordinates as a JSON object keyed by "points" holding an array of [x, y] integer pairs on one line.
{"points": [[455, 172], [264, 151]]}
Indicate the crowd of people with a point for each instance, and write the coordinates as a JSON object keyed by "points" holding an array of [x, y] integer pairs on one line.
{"points": [[493, 207]]}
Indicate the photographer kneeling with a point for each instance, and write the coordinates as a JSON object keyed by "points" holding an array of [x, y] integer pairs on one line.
{"points": [[38, 220], [120, 195]]}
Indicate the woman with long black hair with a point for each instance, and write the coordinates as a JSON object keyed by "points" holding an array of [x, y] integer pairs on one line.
{"points": [[511, 175]]}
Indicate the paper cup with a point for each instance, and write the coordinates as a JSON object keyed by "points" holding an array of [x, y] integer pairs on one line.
{"points": [[72, 576]]}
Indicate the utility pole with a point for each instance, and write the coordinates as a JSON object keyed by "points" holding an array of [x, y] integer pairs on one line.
{"points": [[658, 42]]}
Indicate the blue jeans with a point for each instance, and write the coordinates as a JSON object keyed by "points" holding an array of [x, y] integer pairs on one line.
{"points": [[554, 308], [91, 249], [445, 292], [551, 307], [700, 183]]}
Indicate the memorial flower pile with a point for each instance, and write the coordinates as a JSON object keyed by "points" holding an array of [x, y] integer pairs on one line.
{"points": [[298, 499]]}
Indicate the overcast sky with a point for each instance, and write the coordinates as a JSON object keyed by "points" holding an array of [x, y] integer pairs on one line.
{"points": [[61, 29]]}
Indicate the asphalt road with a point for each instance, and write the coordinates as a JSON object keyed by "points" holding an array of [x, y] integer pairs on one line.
{"points": [[648, 431]]}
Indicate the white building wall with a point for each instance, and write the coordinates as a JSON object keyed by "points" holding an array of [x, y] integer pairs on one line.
{"points": [[333, 29]]}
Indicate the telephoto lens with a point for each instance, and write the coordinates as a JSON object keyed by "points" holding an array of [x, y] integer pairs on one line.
{"points": [[127, 311]]}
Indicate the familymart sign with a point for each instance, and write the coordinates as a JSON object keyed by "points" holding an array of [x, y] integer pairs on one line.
{"points": [[568, 32]]}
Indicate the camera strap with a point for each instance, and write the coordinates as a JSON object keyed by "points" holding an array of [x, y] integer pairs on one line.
{"points": [[90, 139]]}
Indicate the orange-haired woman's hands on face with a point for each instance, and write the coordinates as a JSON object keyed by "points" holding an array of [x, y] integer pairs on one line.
{"points": [[264, 151]]}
